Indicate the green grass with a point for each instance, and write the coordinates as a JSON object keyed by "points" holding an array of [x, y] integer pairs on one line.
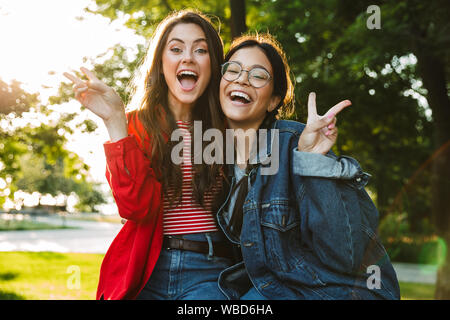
{"points": [[47, 276], [417, 291]]}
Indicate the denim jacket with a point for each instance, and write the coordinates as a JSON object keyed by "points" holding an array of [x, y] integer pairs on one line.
{"points": [[309, 230]]}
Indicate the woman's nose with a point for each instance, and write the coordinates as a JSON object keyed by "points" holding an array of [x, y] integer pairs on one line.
{"points": [[187, 57], [243, 77]]}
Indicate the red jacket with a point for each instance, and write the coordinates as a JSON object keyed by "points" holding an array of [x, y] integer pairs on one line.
{"points": [[130, 259]]}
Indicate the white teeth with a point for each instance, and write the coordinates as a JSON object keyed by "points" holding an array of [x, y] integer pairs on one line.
{"points": [[240, 94], [187, 73]]}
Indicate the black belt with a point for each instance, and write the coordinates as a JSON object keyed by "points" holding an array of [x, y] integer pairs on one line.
{"points": [[220, 249]]}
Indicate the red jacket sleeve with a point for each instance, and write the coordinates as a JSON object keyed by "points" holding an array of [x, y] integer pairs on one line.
{"points": [[132, 180]]}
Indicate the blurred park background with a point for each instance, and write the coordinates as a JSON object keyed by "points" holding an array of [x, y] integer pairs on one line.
{"points": [[390, 58]]}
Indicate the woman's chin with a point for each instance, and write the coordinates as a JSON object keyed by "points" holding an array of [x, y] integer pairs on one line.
{"points": [[236, 114], [187, 99], [237, 121]]}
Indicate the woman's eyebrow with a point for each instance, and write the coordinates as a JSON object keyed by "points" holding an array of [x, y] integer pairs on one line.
{"points": [[258, 66], [179, 40], [252, 66]]}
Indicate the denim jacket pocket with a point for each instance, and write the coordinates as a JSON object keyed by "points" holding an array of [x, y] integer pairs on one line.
{"points": [[279, 225], [279, 215]]}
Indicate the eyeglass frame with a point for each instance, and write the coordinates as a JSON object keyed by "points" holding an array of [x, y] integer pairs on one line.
{"points": [[248, 73]]}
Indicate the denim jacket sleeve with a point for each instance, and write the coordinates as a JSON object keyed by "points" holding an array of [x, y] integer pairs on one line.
{"points": [[333, 207], [309, 164]]}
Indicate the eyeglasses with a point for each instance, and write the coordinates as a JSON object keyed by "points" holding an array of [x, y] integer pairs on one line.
{"points": [[257, 77]]}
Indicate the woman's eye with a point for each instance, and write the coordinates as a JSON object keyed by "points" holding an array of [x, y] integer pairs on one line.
{"points": [[233, 69], [175, 49], [202, 51], [259, 74], [259, 77]]}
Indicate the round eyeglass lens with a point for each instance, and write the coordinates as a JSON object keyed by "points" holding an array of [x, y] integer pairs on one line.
{"points": [[231, 71], [258, 77]]}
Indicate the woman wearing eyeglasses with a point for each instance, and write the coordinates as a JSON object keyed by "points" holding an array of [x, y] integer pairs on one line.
{"points": [[306, 231]]}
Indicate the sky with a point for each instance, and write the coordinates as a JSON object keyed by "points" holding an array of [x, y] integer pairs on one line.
{"points": [[41, 39]]}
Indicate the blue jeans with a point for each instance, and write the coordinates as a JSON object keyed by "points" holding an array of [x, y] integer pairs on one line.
{"points": [[187, 275]]}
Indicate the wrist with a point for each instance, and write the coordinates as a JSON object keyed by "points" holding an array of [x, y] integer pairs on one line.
{"points": [[117, 127], [304, 149]]}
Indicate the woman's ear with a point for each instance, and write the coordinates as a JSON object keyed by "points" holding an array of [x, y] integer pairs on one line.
{"points": [[274, 101]]}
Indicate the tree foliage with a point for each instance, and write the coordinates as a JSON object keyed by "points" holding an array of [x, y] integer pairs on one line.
{"points": [[33, 155], [333, 53]]}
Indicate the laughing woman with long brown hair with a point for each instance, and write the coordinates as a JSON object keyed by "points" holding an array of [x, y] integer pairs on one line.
{"points": [[170, 247]]}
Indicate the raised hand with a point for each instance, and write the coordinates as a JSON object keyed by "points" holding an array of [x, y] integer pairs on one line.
{"points": [[102, 100], [320, 133]]}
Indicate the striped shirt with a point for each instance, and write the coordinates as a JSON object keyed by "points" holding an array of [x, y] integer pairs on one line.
{"points": [[188, 216]]}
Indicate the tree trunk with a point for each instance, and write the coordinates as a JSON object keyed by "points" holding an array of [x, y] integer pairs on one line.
{"points": [[383, 193], [238, 13], [432, 71], [443, 278]]}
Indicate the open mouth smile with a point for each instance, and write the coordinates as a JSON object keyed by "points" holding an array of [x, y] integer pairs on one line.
{"points": [[187, 79], [240, 97]]}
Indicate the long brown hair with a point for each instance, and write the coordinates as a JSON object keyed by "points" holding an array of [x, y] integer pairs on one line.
{"points": [[150, 101]]}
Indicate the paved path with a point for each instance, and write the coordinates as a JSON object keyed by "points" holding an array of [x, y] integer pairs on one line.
{"points": [[91, 237], [418, 273], [95, 237]]}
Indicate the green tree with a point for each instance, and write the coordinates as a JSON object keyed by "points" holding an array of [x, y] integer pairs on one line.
{"points": [[13, 102], [34, 157], [13, 99], [143, 16]]}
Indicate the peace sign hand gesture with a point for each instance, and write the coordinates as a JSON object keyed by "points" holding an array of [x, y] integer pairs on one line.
{"points": [[95, 95], [102, 100], [320, 133]]}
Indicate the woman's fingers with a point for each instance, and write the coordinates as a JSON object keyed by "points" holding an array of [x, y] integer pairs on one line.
{"points": [[338, 108], [328, 120], [74, 79], [321, 122], [332, 124], [79, 90], [91, 76], [312, 110], [80, 87], [94, 82], [331, 132]]}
